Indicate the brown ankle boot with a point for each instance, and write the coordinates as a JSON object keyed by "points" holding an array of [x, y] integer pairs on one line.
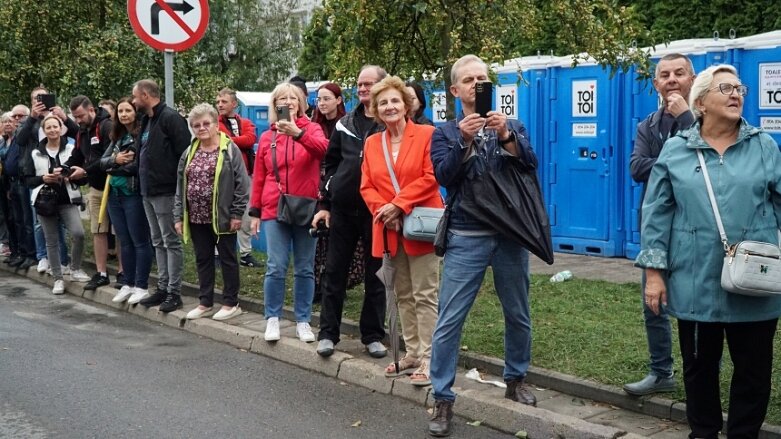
{"points": [[517, 391], [439, 425]]}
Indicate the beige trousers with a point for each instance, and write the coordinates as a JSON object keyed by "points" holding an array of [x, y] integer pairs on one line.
{"points": [[417, 285]]}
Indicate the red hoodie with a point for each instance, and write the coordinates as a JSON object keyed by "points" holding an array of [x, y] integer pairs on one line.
{"points": [[299, 167], [244, 139]]}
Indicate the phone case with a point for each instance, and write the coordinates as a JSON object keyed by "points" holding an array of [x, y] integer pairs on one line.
{"points": [[483, 98]]}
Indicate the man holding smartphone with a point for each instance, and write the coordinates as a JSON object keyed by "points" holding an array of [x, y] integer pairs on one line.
{"points": [[471, 247], [345, 214]]}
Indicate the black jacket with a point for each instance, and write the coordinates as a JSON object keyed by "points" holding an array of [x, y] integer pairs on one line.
{"points": [[649, 143], [26, 141], [129, 170], [341, 181], [90, 144], [168, 137]]}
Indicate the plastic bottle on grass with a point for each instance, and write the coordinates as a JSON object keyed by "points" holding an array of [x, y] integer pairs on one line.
{"points": [[561, 276]]}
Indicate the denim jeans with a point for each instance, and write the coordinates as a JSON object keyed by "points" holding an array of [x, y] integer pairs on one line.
{"points": [[67, 214], [660, 338], [129, 219], [465, 264], [159, 211], [278, 239], [23, 218], [40, 242]]}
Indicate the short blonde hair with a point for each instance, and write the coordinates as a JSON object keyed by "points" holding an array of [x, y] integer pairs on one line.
{"points": [[391, 83], [702, 83], [201, 110], [278, 91]]}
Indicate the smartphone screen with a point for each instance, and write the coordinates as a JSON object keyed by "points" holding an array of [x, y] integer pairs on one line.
{"points": [[283, 113], [484, 92], [47, 99]]}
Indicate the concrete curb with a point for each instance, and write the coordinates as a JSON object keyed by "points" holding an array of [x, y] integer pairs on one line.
{"points": [[498, 413], [308, 359]]}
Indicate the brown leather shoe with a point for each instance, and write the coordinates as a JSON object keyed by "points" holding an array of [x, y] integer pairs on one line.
{"points": [[517, 391], [439, 425]]}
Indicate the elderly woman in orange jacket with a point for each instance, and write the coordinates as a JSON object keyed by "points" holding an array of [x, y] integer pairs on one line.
{"points": [[417, 267]]}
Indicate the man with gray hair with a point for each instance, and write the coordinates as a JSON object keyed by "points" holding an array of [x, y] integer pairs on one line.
{"points": [[673, 80], [163, 137], [344, 213]]}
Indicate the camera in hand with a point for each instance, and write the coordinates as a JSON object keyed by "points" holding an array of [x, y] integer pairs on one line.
{"points": [[320, 230], [66, 171]]}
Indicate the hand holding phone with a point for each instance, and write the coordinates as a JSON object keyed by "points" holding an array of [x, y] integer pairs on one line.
{"points": [[283, 113], [47, 99], [484, 92]]}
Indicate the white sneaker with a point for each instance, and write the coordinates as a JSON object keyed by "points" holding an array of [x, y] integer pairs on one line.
{"points": [[79, 276], [59, 287], [304, 332], [43, 265], [123, 294], [139, 294], [197, 313], [66, 270], [272, 329], [229, 313]]}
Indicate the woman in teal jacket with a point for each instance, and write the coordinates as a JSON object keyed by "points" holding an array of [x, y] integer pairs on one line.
{"points": [[682, 252]]}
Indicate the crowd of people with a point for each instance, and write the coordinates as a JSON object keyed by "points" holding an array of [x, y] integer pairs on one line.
{"points": [[334, 188]]}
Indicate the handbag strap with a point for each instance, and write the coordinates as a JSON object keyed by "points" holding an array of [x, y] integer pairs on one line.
{"points": [[714, 205], [392, 173], [274, 161]]}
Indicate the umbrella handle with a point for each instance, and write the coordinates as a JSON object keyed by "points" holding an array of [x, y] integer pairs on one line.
{"points": [[385, 240]]}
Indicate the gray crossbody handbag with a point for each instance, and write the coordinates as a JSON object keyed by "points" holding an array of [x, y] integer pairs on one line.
{"points": [[421, 223], [750, 268]]}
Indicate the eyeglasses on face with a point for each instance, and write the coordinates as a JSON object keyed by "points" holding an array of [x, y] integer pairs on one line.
{"points": [[367, 84], [205, 125], [726, 89], [18, 116], [285, 99]]}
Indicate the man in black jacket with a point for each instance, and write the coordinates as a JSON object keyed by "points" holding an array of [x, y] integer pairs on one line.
{"points": [[344, 212], [163, 138], [92, 130], [673, 80]]}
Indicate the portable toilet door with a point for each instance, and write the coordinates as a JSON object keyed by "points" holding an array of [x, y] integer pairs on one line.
{"points": [[758, 60], [584, 201]]}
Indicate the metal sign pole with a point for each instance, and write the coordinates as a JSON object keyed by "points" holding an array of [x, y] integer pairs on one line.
{"points": [[169, 77]]}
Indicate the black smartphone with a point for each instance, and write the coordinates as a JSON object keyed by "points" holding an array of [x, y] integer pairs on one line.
{"points": [[47, 99], [484, 92], [283, 113]]}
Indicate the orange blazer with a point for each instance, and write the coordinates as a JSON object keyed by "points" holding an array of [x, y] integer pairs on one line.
{"points": [[417, 184]]}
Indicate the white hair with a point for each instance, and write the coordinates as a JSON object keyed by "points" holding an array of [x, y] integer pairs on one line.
{"points": [[703, 82]]}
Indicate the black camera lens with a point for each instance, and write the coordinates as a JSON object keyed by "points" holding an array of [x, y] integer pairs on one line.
{"points": [[320, 230]]}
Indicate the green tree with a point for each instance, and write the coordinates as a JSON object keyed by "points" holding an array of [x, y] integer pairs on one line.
{"points": [[424, 37], [314, 51]]}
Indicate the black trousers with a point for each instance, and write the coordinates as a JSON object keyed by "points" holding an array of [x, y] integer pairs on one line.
{"points": [[7, 215], [344, 234], [751, 350], [204, 241], [23, 219]]}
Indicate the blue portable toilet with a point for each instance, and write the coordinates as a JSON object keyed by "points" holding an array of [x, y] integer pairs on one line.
{"points": [[585, 174], [255, 106], [758, 60]]}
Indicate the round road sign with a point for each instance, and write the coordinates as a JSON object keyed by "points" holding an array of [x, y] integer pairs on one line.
{"points": [[169, 24]]}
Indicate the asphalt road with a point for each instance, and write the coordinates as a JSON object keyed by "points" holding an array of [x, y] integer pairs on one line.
{"points": [[70, 369]]}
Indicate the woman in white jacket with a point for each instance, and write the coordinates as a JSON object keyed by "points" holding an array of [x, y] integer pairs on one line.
{"points": [[56, 199]]}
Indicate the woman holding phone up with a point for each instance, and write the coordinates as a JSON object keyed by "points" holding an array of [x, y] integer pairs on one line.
{"points": [[288, 162], [125, 206]]}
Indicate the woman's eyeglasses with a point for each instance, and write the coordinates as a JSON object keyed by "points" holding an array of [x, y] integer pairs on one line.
{"points": [[727, 89]]}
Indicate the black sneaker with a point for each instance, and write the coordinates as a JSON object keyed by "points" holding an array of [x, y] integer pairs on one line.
{"points": [[249, 261], [172, 302], [10, 258], [16, 261], [96, 282], [155, 299], [120, 280], [27, 263]]}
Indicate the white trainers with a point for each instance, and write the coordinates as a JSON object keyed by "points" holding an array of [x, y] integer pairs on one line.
{"points": [[272, 329], [139, 294], [59, 287], [197, 313], [304, 332], [123, 294], [66, 270], [79, 276], [43, 265], [225, 314]]}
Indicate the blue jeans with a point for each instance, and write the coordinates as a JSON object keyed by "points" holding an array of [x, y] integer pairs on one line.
{"points": [[465, 264], [40, 241], [660, 338], [278, 239], [129, 219]]}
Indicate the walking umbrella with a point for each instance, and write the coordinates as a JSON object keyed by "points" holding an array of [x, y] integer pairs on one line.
{"points": [[104, 201], [386, 274], [509, 201]]}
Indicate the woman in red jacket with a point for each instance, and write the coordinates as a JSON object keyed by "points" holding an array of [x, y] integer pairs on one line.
{"points": [[295, 146], [417, 267]]}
